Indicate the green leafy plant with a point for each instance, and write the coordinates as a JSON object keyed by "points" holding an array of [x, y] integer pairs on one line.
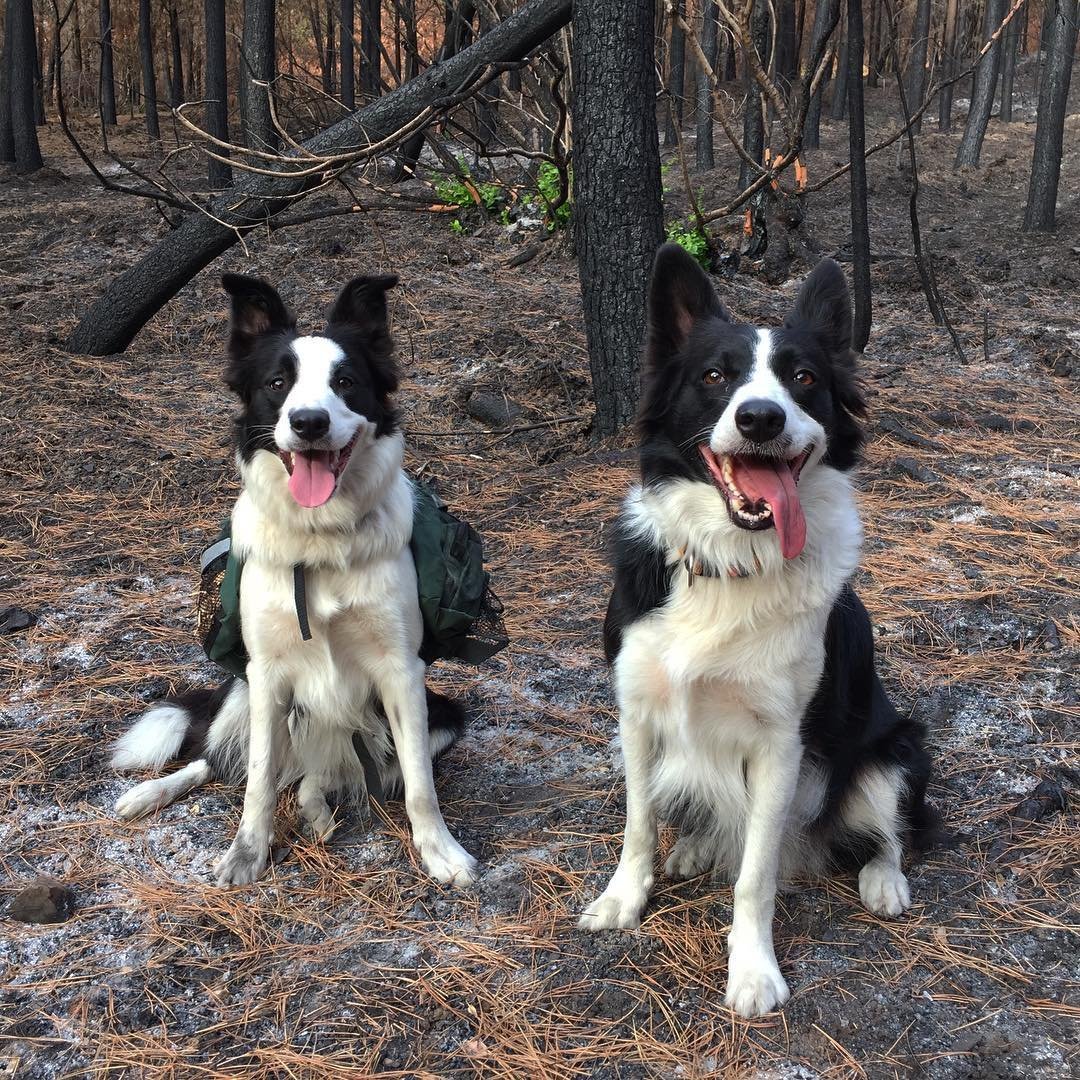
{"points": [[463, 191], [687, 235], [547, 185]]}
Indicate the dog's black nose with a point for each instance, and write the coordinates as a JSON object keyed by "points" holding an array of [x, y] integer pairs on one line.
{"points": [[310, 424], [760, 420]]}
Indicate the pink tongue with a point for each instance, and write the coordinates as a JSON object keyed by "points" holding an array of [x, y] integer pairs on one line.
{"points": [[312, 480], [772, 482]]}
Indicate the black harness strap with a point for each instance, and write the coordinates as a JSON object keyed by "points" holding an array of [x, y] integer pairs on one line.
{"points": [[300, 597]]}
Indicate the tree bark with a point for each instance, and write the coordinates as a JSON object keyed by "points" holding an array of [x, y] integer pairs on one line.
{"points": [[7, 132], [1008, 69], [135, 295], [258, 66], [982, 96], [787, 48], [860, 222], [217, 90], [618, 214], [753, 122], [19, 31], [710, 42], [676, 71], [176, 92], [873, 66], [370, 49], [346, 25], [838, 109], [916, 75], [948, 66], [1050, 122], [146, 59], [824, 17], [107, 94]]}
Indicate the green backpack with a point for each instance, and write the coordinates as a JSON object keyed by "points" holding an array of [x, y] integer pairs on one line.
{"points": [[462, 616]]}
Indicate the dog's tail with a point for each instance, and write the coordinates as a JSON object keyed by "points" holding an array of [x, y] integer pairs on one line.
{"points": [[176, 730]]}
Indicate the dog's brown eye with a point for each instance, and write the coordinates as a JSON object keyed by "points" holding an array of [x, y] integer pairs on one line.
{"points": [[343, 382], [804, 377], [712, 377], [276, 384]]}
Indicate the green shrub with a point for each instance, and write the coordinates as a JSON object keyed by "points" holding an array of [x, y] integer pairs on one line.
{"points": [[689, 236], [547, 184], [454, 191]]}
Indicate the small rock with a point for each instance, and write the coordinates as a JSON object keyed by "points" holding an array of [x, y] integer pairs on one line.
{"points": [[910, 467], [14, 619], [1051, 640], [906, 435], [1048, 798], [43, 901], [495, 410]]}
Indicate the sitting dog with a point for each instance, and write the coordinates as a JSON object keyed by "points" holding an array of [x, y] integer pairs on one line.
{"points": [[749, 708], [328, 596]]}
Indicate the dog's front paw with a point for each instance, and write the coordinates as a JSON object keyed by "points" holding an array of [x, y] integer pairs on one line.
{"points": [[618, 907], [242, 864], [884, 889], [448, 862], [142, 799], [689, 857], [755, 985]]}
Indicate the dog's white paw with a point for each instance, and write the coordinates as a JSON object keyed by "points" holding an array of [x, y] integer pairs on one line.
{"points": [[689, 857], [448, 862], [618, 907], [242, 864], [755, 985], [142, 799], [884, 889]]}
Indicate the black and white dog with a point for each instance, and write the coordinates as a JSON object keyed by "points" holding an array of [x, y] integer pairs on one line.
{"points": [[320, 456], [749, 707]]}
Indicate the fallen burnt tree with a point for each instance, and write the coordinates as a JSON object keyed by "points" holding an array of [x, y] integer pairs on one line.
{"points": [[257, 197]]}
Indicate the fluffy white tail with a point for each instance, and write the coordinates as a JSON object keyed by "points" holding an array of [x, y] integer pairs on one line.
{"points": [[153, 740]]}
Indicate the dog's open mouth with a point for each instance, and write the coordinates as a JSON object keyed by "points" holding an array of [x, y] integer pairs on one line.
{"points": [[762, 493], [314, 474]]}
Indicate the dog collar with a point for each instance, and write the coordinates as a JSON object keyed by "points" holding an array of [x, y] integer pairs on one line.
{"points": [[696, 568]]}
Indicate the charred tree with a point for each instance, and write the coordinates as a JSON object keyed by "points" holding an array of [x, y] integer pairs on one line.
{"points": [[1050, 123], [149, 78], [258, 67], [753, 121], [136, 295], [1009, 49], [676, 74], [21, 52], [618, 214], [107, 93], [873, 58], [916, 75], [346, 25], [176, 88], [370, 48], [7, 133], [838, 109], [787, 46], [860, 220], [217, 91], [710, 41], [824, 20], [982, 95], [948, 66]]}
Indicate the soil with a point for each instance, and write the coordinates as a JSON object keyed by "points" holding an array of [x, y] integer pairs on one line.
{"points": [[346, 960]]}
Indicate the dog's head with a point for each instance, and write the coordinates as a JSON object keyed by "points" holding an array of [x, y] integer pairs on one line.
{"points": [[314, 401], [750, 410]]}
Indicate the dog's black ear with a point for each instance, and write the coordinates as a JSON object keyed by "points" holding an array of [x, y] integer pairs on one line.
{"points": [[362, 303], [680, 294], [256, 309], [823, 306]]}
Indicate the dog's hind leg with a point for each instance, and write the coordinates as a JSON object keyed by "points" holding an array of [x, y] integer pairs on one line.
{"points": [[152, 795], [315, 810], [872, 811]]}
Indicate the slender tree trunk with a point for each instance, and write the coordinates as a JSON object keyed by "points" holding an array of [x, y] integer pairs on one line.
{"points": [[146, 58], [753, 122], [824, 15], [948, 66], [787, 47], [76, 44], [176, 94], [710, 39], [860, 220], [19, 31], [916, 75], [371, 48], [108, 81], [1050, 123], [346, 26], [676, 70], [618, 214], [217, 90], [258, 68], [1008, 69], [982, 97], [838, 109], [7, 132], [39, 77], [331, 56], [873, 66]]}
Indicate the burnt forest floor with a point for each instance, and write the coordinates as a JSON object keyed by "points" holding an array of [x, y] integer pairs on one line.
{"points": [[346, 960]]}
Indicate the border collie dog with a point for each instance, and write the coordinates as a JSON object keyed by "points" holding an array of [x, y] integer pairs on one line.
{"points": [[749, 709], [320, 457]]}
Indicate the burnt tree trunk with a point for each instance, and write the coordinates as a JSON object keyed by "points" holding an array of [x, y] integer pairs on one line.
{"points": [[134, 296], [824, 19], [838, 109], [107, 93], [948, 66], [22, 50], [787, 46], [753, 121], [7, 133], [217, 90], [676, 73], [916, 75], [1050, 123], [149, 77], [258, 68], [1009, 50], [982, 95], [176, 89], [860, 221], [346, 25], [710, 40], [370, 49], [618, 214], [873, 66]]}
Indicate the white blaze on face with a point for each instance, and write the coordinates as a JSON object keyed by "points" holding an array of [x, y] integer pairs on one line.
{"points": [[316, 358], [800, 429]]}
